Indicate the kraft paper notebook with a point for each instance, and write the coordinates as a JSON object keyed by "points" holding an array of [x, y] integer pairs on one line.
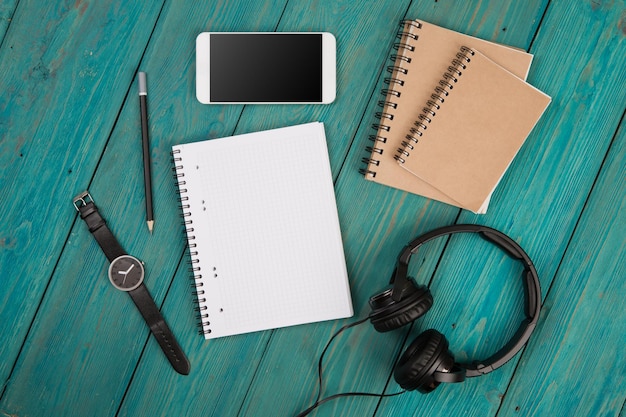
{"points": [[263, 230], [423, 55], [469, 132]]}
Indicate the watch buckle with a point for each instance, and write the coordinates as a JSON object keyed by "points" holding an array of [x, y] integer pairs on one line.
{"points": [[81, 200]]}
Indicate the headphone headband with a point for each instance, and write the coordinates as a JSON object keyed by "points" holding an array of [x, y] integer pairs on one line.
{"points": [[532, 290]]}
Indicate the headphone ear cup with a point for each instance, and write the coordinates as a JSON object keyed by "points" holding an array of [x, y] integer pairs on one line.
{"points": [[388, 314], [427, 354]]}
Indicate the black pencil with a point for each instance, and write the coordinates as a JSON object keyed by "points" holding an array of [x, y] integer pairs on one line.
{"points": [[147, 176]]}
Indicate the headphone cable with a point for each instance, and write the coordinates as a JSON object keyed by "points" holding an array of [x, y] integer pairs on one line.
{"points": [[319, 401]]}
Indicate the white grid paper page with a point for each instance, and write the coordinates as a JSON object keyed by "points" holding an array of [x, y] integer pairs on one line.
{"points": [[266, 230]]}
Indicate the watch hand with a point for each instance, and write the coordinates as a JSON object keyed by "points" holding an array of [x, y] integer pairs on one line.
{"points": [[125, 273]]}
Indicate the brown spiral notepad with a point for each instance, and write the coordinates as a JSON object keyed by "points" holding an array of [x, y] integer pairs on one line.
{"points": [[470, 130], [423, 54]]}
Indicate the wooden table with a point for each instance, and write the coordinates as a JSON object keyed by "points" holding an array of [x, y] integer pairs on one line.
{"points": [[69, 121]]}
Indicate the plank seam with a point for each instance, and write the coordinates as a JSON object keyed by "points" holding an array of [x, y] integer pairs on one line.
{"points": [[147, 340], [256, 372], [66, 240], [543, 16], [521, 354], [567, 247], [39, 304], [9, 25]]}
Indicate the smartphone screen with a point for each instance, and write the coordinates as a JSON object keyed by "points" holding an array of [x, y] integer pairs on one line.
{"points": [[271, 67]]}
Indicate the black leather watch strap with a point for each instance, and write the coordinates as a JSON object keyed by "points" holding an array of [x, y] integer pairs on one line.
{"points": [[98, 227], [141, 297], [150, 312]]}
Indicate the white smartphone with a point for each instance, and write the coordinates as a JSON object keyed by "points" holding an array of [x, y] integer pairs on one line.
{"points": [[265, 67]]}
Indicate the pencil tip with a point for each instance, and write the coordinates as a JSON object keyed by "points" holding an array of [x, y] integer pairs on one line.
{"points": [[150, 225]]}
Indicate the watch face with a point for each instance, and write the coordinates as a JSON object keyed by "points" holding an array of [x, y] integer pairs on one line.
{"points": [[126, 273]]}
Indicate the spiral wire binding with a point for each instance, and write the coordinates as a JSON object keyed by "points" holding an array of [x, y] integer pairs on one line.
{"points": [[194, 268], [442, 91], [395, 81]]}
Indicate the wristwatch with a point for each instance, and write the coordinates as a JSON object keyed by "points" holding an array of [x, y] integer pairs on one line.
{"points": [[126, 273]]}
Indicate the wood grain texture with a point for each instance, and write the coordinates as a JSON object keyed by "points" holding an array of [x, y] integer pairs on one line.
{"points": [[7, 8], [61, 71], [577, 348], [69, 119]]}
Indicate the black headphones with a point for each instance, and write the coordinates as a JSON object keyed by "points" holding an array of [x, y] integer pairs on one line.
{"points": [[427, 362]]}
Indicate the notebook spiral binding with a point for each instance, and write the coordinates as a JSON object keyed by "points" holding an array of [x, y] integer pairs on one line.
{"points": [[194, 269], [446, 84], [395, 82]]}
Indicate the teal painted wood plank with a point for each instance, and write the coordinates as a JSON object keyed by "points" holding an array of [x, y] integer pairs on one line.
{"points": [[7, 9], [574, 366], [376, 223], [542, 195], [539, 203], [88, 377], [62, 86]]}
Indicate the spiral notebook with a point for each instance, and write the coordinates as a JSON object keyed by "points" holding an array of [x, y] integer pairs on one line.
{"points": [[424, 52], [469, 132], [263, 230]]}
